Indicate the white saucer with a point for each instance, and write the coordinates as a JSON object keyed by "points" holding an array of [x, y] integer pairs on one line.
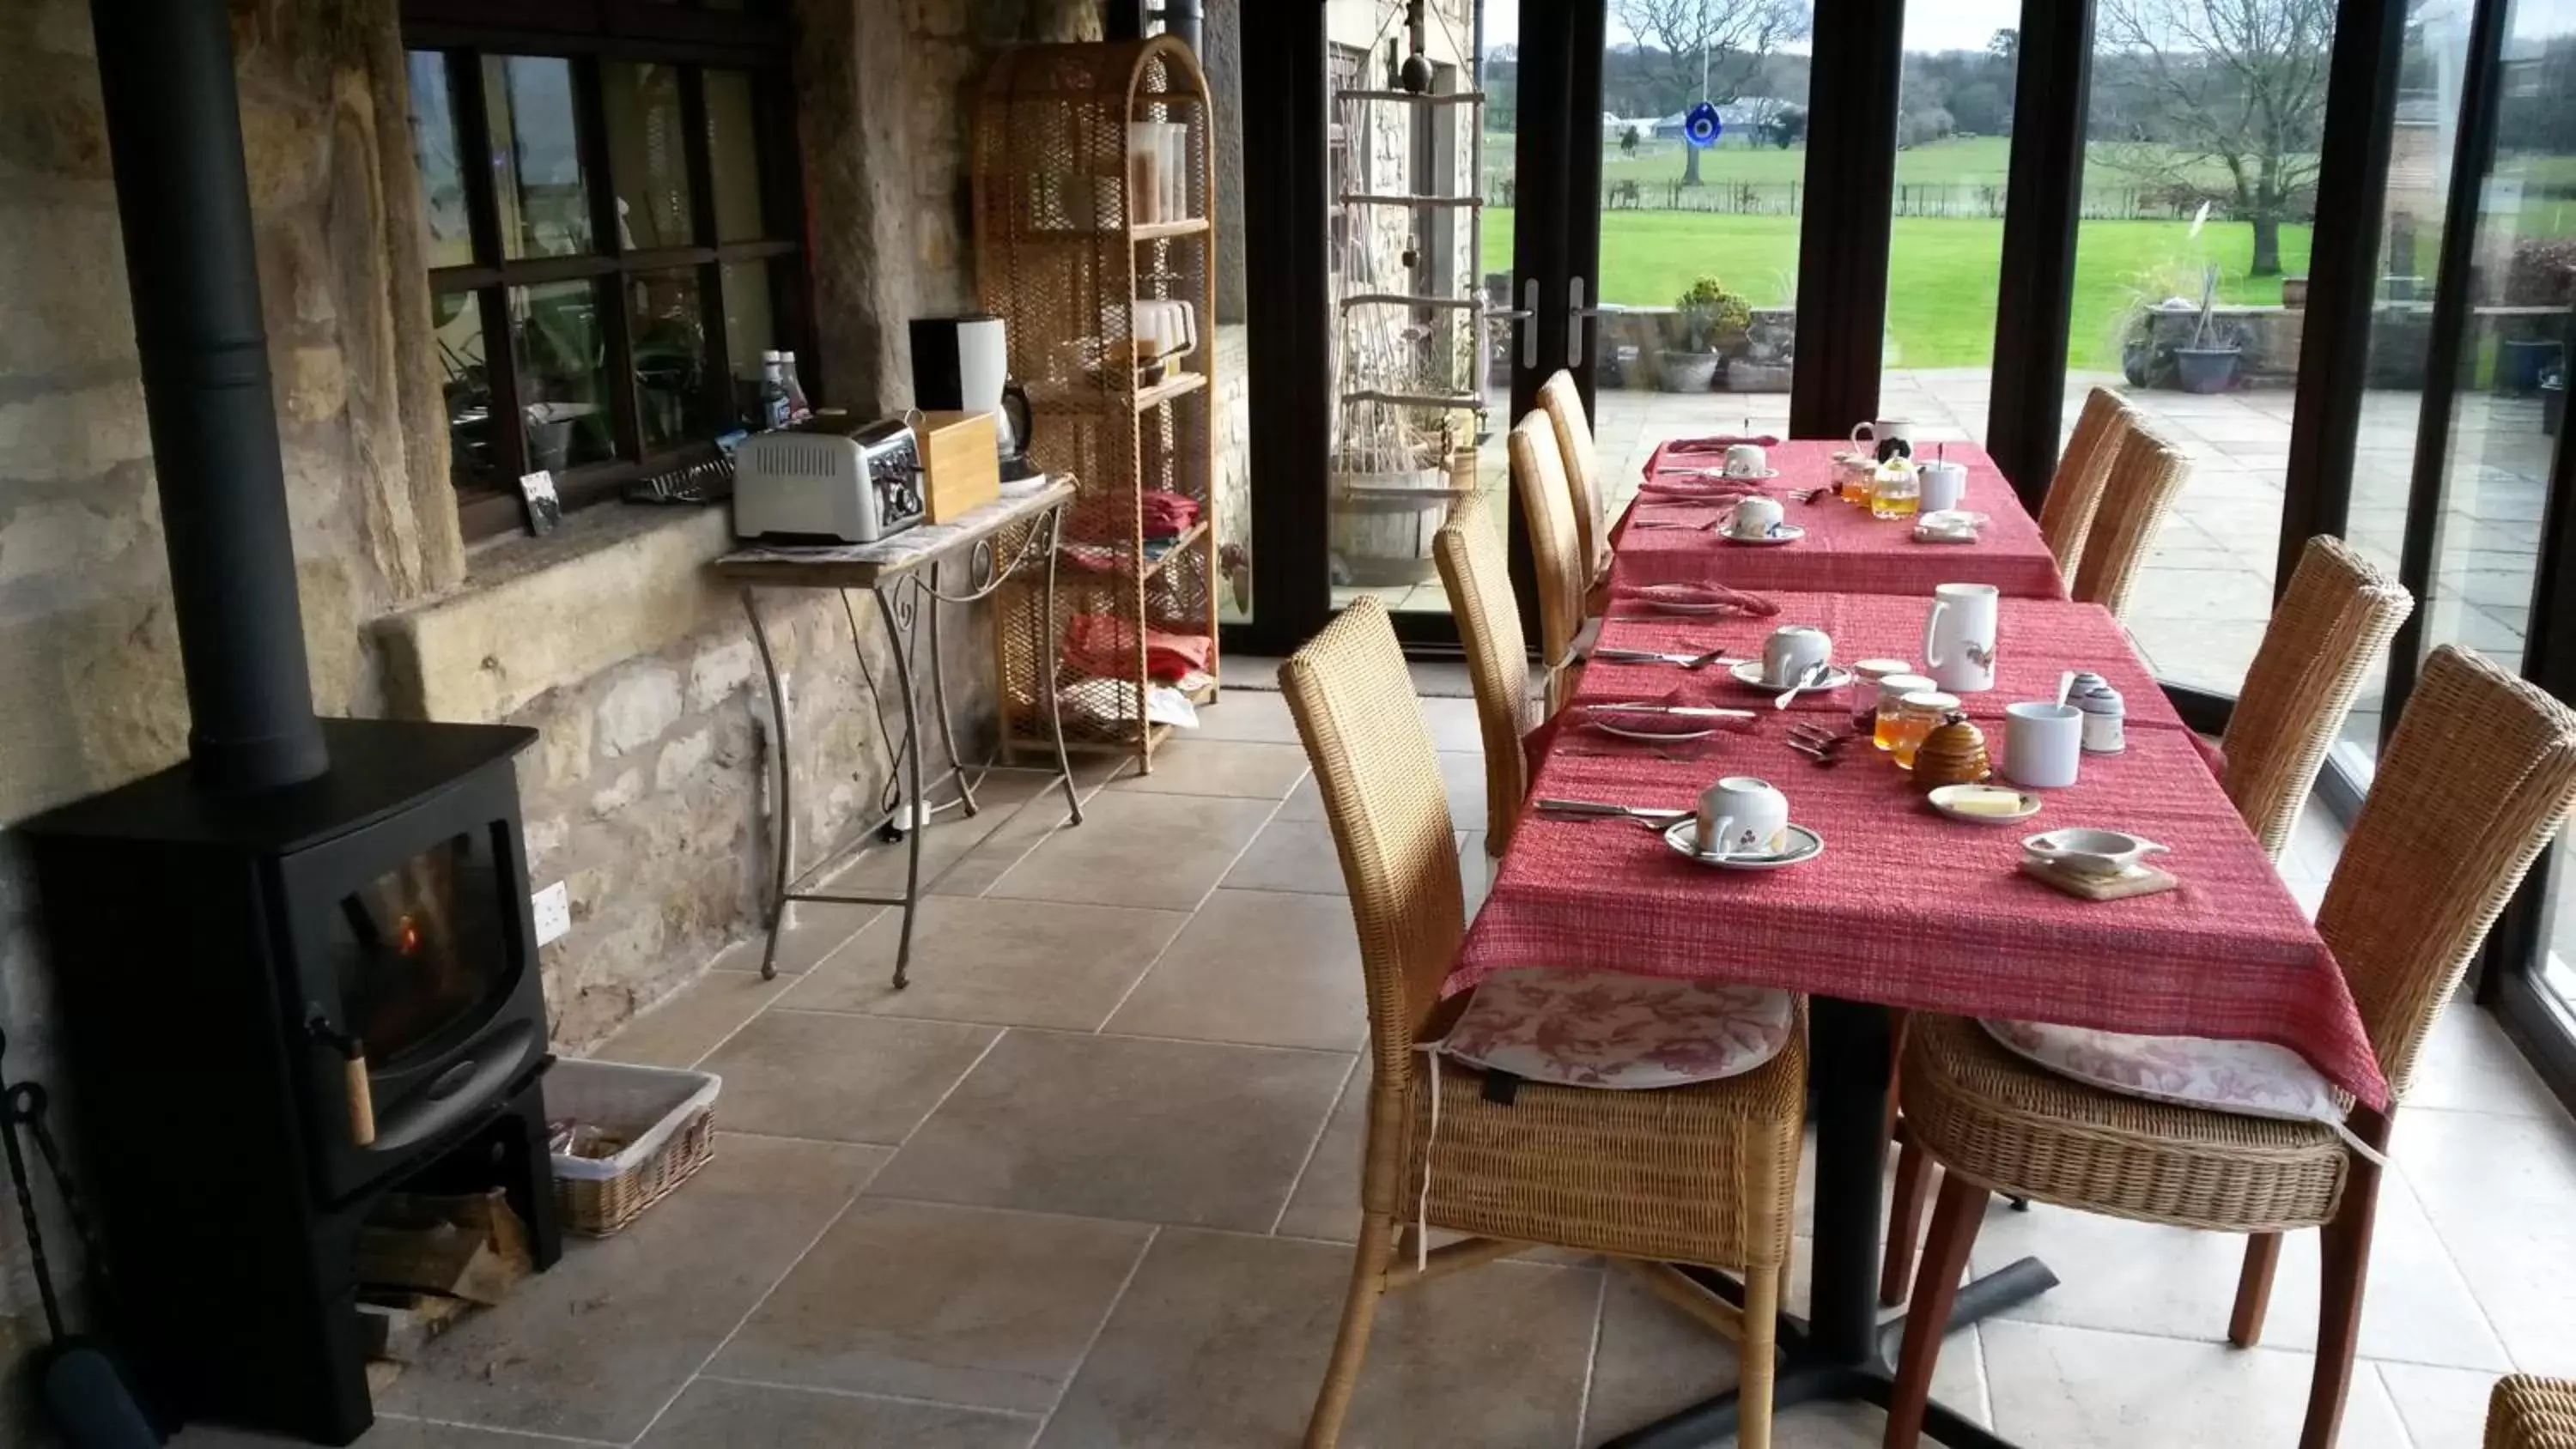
{"points": [[1804, 845], [1652, 737], [1946, 800], [1749, 674], [1722, 476], [1779, 534]]}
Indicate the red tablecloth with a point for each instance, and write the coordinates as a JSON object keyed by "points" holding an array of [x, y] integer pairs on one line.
{"points": [[2036, 641], [1845, 548], [1910, 909]]}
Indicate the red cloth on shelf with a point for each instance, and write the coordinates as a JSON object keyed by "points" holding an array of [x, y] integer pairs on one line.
{"points": [[1104, 644], [1845, 550], [1168, 515]]}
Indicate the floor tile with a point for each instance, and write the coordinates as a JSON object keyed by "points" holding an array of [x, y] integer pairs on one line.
{"points": [[1011, 840], [952, 1304], [2497, 1190], [2073, 1388], [1012, 963], [1268, 968], [814, 930], [1161, 851], [1326, 1204], [715, 1414], [840, 1078], [595, 1347], [1259, 771], [1221, 1340], [389, 1433], [1461, 771], [1653, 1360], [2469, 1065], [1475, 870], [1452, 723], [695, 1020], [2179, 1283], [1289, 855], [1117, 1127], [2442, 1408], [1246, 714], [880, 869]]}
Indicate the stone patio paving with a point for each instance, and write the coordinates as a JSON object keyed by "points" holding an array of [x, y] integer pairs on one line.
{"points": [[2200, 608], [1091, 1182]]}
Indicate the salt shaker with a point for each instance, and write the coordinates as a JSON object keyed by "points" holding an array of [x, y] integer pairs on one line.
{"points": [[2105, 714]]}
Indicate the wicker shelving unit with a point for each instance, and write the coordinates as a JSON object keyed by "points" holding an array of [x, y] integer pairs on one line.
{"points": [[1067, 247]]}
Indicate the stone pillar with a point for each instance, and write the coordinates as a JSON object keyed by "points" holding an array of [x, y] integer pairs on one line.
{"points": [[851, 122]]}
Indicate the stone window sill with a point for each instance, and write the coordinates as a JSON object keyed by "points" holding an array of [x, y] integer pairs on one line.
{"points": [[535, 614]]}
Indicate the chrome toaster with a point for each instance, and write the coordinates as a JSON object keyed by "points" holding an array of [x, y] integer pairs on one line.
{"points": [[827, 485]]}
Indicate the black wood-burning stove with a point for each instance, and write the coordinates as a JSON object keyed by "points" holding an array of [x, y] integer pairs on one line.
{"points": [[280, 1007], [300, 970]]}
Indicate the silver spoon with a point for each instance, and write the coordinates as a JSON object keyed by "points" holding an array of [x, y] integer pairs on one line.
{"points": [[1805, 682]]}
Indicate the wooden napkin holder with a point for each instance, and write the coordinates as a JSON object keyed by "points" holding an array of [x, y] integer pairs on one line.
{"points": [[2145, 881]]}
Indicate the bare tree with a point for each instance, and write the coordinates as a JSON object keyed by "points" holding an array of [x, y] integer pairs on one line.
{"points": [[2224, 88], [1713, 49]]}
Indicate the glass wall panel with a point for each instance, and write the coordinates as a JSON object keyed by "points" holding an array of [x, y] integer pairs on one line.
{"points": [[536, 156], [2198, 211]]}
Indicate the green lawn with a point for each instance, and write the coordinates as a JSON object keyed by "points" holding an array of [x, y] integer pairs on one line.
{"points": [[1941, 292]]}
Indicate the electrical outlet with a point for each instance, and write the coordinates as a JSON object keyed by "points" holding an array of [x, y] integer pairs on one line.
{"points": [[554, 913]]}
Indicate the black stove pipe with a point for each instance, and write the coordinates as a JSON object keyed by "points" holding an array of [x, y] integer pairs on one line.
{"points": [[1187, 20], [165, 70]]}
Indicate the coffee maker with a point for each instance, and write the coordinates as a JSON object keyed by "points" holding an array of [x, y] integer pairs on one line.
{"points": [[962, 364]]}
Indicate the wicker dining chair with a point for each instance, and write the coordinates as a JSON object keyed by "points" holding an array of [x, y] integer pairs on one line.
{"points": [[1563, 403], [2075, 492], [2147, 474], [2524, 1412], [1469, 551], [2476, 780], [2333, 620], [1547, 510], [1701, 1174], [2336, 616]]}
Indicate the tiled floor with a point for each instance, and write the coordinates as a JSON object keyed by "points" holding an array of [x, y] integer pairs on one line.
{"points": [[1089, 1181]]}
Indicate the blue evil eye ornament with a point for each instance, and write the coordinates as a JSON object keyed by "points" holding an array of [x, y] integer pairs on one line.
{"points": [[1703, 125]]}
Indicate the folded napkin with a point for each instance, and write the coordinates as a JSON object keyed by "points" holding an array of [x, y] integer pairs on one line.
{"points": [[1681, 446], [1734, 600]]}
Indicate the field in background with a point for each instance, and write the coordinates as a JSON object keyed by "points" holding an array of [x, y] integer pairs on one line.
{"points": [[1941, 293]]}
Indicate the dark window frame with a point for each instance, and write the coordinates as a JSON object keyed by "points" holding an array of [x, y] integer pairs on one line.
{"points": [[693, 39]]}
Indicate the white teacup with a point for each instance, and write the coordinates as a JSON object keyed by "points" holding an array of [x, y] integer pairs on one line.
{"points": [[1740, 815], [1792, 650], [1746, 460], [1945, 486], [2043, 743], [1755, 518]]}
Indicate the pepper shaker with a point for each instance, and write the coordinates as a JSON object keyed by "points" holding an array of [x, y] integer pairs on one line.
{"points": [[2105, 714]]}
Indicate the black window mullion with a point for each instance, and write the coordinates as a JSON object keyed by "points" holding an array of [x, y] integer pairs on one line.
{"points": [[2034, 305], [590, 114], [471, 108], [2343, 275], [717, 381], [2472, 158]]}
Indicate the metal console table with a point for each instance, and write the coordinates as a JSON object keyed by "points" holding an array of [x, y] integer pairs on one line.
{"points": [[902, 574]]}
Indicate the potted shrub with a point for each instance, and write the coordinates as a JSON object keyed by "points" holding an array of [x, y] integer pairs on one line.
{"points": [[1709, 319], [2553, 401], [2208, 364], [2541, 278]]}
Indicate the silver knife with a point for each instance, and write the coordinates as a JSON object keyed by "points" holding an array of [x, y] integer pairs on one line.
{"points": [[1603, 807], [1691, 711]]}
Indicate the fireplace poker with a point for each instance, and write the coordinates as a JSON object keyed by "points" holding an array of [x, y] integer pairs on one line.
{"points": [[85, 1393]]}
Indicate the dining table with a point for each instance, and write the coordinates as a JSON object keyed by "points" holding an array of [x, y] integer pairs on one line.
{"points": [[1671, 533], [1904, 910]]}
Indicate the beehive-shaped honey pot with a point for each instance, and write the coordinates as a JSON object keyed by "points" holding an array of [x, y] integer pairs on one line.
{"points": [[1954, 753]]}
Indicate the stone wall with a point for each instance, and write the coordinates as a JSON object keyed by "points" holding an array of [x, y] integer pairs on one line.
{"points": [[648, 793]]}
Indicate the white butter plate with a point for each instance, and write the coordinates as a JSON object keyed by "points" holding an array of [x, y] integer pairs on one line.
{"points": [[1953, 800], [1749, 674]]}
